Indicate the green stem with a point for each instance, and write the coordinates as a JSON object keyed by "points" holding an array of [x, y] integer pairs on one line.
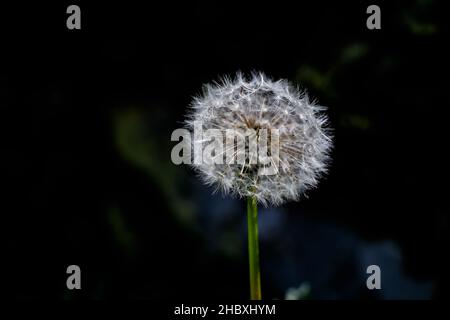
{"points": [[253, 249]]}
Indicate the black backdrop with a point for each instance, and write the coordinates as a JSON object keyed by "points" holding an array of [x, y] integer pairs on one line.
{"points": [[71, 189]]}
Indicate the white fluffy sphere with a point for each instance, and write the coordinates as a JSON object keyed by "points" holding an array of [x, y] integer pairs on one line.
{"points": [[257, 103]]}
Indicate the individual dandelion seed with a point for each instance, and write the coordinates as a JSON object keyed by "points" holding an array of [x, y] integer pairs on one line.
{"points": [[293, 155]]}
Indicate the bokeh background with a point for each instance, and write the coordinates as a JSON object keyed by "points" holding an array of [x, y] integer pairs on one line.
{"points": [[86, 119]]}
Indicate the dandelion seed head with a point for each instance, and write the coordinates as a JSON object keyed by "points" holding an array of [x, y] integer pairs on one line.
{"points": [[255, 103]]}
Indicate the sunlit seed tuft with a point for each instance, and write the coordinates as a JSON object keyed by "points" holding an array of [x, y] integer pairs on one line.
{"points": [[257, 102]]}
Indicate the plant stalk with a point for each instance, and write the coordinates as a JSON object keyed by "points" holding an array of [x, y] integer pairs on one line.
{"points": [[253, 249]]}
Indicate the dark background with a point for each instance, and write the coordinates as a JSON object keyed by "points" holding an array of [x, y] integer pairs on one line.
{"points": [[86, 118]]}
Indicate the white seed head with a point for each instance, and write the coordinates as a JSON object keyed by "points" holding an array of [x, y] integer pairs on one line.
{"points": [[256, 103]]}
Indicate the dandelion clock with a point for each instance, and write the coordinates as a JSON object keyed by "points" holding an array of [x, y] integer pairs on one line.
{"points": [[258, 139]]}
